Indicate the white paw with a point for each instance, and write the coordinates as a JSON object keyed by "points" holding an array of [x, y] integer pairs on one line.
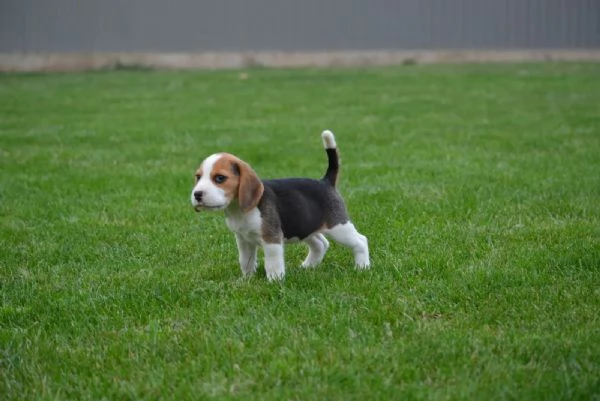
{"points": [[361, 259], [309, 262], [249, 268], [275, 276], [363, 266]]}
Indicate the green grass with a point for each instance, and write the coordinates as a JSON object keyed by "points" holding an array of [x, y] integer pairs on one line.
{"points": [[478, 187]]}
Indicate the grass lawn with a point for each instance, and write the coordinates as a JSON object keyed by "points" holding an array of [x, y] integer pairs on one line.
{"points": [[478, 187]]}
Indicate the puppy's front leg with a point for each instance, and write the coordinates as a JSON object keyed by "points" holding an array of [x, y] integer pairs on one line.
{"points": [[274, 264], [247, 255]]}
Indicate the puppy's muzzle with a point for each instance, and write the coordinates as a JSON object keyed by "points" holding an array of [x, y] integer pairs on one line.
{"points": [[198, 198]]}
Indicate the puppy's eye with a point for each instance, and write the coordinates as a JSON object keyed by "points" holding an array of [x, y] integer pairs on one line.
{"points": [[219, 179], [198, 176]]}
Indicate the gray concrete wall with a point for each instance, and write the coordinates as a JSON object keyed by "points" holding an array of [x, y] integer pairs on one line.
{"points": [[197, 26]]}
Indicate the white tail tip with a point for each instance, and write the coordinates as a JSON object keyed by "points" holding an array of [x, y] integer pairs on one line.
{"points": [[328, 139]]}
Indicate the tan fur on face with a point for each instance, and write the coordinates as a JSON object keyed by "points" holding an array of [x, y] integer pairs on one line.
{"points": [[226, 166], [242, 183]]}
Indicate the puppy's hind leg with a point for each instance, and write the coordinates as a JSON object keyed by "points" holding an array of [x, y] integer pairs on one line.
{"points": [[347, 235], [317, 247]]}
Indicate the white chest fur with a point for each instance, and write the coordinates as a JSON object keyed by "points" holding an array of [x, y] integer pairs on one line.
{"points": [[246, 225]]}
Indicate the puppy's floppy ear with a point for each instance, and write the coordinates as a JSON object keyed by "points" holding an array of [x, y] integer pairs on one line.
{"points": [[250, 189]]}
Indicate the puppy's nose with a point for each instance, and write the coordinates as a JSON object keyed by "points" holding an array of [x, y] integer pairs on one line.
{"points": [[198, 195]]}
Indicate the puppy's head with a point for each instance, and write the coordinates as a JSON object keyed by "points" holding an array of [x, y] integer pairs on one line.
{"points": [[222, 179]]}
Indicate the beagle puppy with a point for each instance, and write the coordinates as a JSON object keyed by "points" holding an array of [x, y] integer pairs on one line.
{"points": [[268, 213]]}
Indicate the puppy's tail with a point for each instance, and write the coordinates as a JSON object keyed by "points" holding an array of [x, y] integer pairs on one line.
{"points": [[331, 174]]}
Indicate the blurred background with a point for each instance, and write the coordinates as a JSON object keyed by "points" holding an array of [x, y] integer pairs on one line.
{"points": [[200, 26]]}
